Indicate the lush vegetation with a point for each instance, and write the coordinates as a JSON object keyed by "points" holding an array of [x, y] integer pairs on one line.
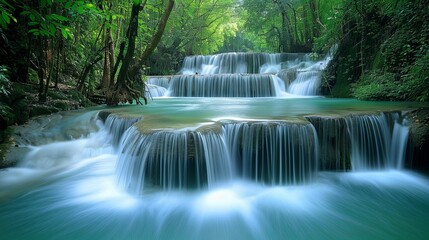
{"points": [[105, 48], [383, 50]]}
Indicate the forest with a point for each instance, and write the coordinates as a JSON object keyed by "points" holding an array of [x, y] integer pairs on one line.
{"points": [[214, 119], [103, 49]]}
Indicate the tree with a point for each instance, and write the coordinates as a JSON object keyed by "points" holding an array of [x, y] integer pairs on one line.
{"points": [[129, 72]]}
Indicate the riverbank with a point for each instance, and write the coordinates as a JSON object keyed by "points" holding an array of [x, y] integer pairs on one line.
{"points": [[22, 103]]}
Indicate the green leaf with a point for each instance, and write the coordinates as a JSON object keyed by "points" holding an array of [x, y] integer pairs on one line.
{"points": [[64, 33], [3, 24], [5, 17], [59, 17], [80, 9], [68, 4], [52, 29]]}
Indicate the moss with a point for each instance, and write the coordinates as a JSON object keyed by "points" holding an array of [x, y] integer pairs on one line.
{"points": [[21, 110], [7, 115], [419, 137], [37, 110], [62, 105], [379, 86], [5, 143], [57, 95]]}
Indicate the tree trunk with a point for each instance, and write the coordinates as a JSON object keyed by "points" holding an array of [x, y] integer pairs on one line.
{"points": [[49, 67], [155, 39], [123, 92], [108, 61], [317, 25], [57, 64]]}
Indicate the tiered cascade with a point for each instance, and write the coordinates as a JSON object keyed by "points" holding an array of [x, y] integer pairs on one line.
{"points": [[267, 152], [219, 168], [270, 152], [241, 75]]}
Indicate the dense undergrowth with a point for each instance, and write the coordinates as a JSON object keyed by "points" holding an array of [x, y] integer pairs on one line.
{"points": [[383, 52]]}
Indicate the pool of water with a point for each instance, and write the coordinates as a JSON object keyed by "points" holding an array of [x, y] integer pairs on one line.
{"points": [[66, 186]]}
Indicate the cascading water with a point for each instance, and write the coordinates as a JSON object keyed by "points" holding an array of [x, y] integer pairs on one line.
{"points": [[308, 79], [158, 81], [224, 85], [118, 125], [334, 142], [273, 152], [218, 168], [172, 160], [251, 63], [242, 75]]}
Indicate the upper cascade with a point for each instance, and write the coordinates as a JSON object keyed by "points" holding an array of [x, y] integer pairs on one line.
{"points": [[252, 63], [242, 75]]}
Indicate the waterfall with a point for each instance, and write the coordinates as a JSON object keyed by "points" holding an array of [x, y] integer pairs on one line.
{"points": [[242, 75], [117, 125], [273, 152], [377, 141], [267, 152], [334, 142], [307, 83], [225, 85], [308, 78], [155, 90], [399, 142], [237, 63], [161, 81], [169, 159]]}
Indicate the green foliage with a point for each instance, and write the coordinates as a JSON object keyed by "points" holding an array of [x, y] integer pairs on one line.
{"points": [[412, 86], [43, 23], [194, 27], [331, 18], [6, 14], [383, 46], [4, 81], [379, 86], [417, 79]]}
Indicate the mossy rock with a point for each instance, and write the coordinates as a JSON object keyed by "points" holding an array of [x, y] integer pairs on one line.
{"points": [[64, 105], [419, 137], [5, 143], [7, 116], [37, 110], [57, 95], [81, 99], [21, 110]]}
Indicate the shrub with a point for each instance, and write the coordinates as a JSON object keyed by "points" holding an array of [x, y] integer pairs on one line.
{"points": [[379, 86]]}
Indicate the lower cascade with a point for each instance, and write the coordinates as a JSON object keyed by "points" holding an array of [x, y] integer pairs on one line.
{"points": [[273, 152], [172, 160], [266, 152], [376, 142]]}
